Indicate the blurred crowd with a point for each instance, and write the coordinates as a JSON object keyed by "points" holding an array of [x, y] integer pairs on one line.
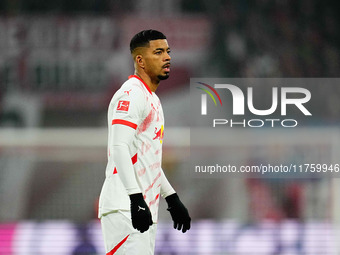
{"points": [[285, 38]]}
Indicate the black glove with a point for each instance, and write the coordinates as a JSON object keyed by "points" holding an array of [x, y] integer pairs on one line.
{"points": [[179, 213], [140, 213]]}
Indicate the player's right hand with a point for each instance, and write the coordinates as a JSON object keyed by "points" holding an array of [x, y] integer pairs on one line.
{"points": [[140, 213]]}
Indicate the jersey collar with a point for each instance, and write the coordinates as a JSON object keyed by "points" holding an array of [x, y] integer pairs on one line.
{"points": [[137, 77]]}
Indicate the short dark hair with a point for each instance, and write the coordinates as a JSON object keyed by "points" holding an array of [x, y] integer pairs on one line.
{"points": [[143, 38]]}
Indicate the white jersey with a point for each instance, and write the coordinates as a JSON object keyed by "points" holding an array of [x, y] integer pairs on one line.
{"points": [[136, 106]]}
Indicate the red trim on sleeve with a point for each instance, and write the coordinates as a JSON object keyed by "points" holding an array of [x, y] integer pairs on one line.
{"points": [[146, 86], [113, 251], [124, 122], [133, 159]]}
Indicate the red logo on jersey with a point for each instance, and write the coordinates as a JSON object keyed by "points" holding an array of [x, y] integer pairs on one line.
{"points": [[123, 105], [128, 92], [159, 134]]}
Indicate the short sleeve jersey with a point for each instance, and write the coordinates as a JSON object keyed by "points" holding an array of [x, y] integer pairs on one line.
{"points": [[135, 106]]}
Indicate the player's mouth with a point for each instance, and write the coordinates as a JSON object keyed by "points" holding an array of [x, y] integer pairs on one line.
{"points": [[166, 67]]}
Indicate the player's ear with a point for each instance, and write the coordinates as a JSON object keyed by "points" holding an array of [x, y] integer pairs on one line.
{"points": [[140, 61]]}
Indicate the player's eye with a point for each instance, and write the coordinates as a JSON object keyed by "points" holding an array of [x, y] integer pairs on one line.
{"points": [[158, 52]]}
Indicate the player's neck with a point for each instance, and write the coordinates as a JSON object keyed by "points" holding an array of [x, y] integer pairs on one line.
{"points": [[146, 78]]}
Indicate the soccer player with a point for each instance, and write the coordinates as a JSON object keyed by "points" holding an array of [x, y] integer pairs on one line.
{"points": [[129, 200]]}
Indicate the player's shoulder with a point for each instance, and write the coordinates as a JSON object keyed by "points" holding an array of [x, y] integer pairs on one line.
{"points": [[131, 90], [131, 87]]}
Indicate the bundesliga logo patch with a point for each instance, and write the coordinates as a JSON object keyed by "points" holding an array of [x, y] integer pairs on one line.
{"points": [[123, 106]]}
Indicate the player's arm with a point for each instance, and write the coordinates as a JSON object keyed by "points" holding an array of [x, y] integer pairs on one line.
{"points": [[122, 140], [179, 213], [127, 113]]}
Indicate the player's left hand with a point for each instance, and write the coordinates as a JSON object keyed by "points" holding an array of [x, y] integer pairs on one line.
{"points": [[179, 213]]}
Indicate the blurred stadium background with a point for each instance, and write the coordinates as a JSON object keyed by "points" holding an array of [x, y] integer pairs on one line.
{"points": [[61, 62]]}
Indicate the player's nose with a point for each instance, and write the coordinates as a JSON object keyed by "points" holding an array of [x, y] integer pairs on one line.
{"points": [[167, 56]]}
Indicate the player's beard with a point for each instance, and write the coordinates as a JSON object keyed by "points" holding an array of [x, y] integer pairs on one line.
{"points": [[163, 77]]}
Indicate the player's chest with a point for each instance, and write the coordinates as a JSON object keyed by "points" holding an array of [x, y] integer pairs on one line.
{"points": [[153, 110], [152, 122]]}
